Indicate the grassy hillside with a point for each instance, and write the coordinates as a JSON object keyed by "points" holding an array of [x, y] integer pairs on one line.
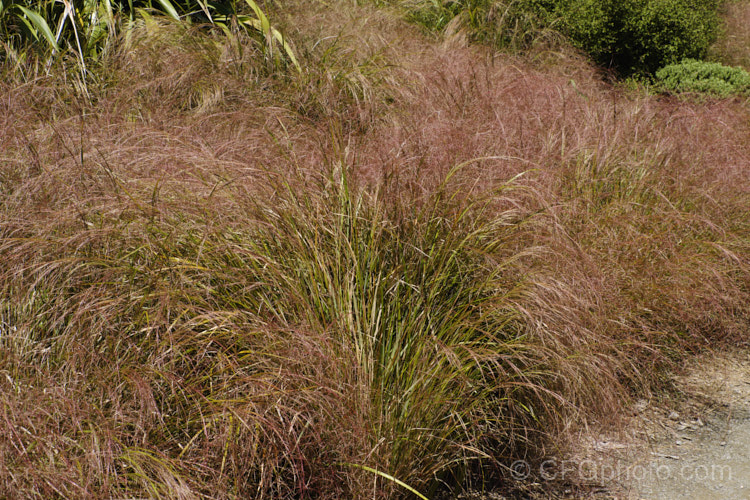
{"points": [[407, 265]]}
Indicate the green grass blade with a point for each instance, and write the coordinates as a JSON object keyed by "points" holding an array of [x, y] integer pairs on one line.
{"points": [[388, 477], [204, 7], [258, 25], [169, 9], [265, 24], [287, 48]]}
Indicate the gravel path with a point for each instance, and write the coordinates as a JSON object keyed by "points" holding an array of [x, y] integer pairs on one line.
{"points": [[712, 464], [703, 452]]}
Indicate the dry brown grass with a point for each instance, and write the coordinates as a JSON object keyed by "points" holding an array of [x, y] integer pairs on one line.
{"points": [[136, 356], [733, 46]]}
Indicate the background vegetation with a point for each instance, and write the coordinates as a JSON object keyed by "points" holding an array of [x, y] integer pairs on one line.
{"points": [[704, 77], [407, 264], [49, 29], [630, 37]]}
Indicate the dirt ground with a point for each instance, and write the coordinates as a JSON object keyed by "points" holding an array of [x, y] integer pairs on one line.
{"points": [[695, 448]]}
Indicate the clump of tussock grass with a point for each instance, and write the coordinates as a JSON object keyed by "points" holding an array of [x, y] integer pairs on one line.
{"points": [[173, 67], [656, 236], [355, 59], [424, 301], [330, 329], [632, 275], [513, 26]]}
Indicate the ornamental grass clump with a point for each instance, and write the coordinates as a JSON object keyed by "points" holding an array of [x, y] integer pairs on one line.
{"points": [[316, 338], [422, 296]]}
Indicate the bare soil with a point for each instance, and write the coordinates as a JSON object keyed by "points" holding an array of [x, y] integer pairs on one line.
{"points": [[694, 446]]}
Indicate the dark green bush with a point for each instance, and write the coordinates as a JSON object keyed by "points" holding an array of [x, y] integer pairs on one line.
{"points": [[700, 76], [640, 36]]}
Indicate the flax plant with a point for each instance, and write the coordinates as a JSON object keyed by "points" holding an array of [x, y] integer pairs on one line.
{"points": [[86, 30]]}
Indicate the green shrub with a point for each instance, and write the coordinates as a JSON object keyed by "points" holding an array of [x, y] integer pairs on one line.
{"points": [[700, 76], [592, 25], [640, 36]]}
